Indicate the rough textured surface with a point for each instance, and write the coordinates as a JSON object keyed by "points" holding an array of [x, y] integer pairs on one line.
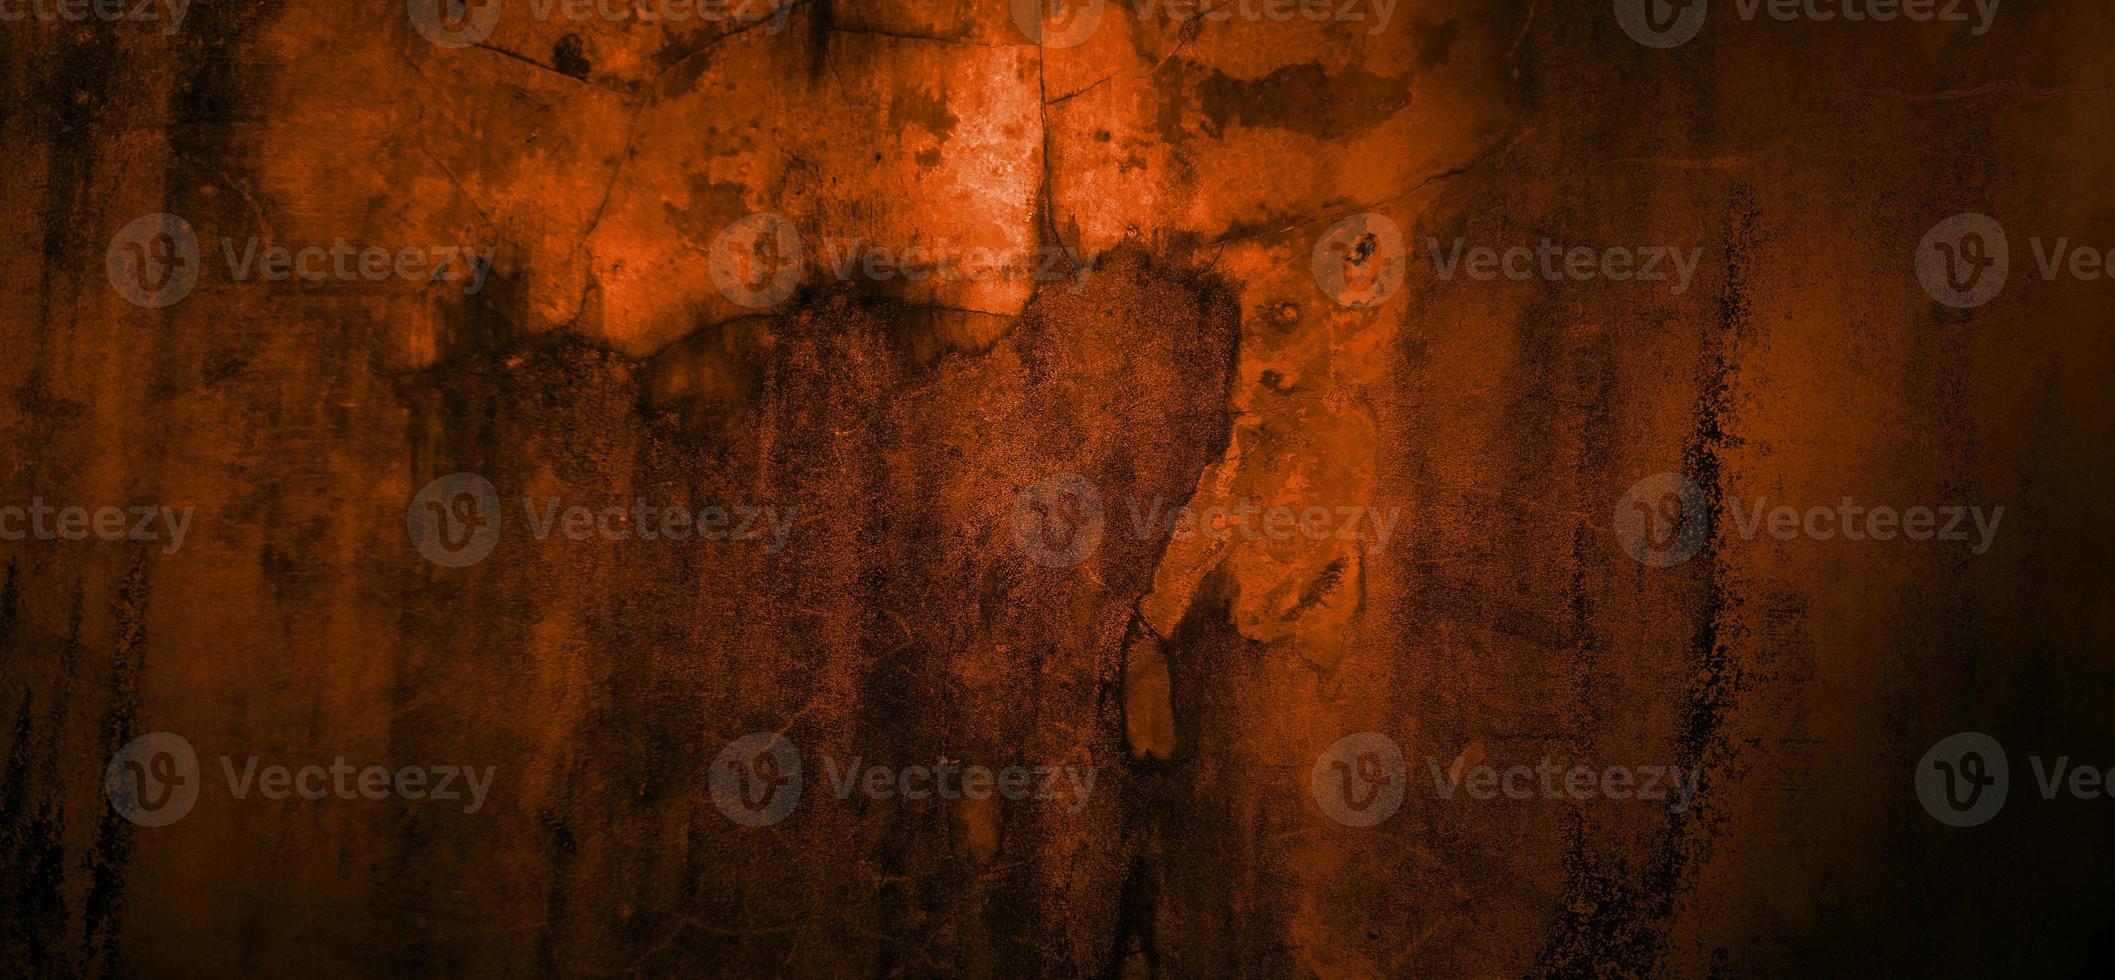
{"points": [[1192, 168]]}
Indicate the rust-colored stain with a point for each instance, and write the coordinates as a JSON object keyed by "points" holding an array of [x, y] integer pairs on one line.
{"points": [[1365, 488]]}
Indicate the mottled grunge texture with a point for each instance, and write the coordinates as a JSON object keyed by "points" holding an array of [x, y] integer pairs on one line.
{"points": [[1175, 175]]}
